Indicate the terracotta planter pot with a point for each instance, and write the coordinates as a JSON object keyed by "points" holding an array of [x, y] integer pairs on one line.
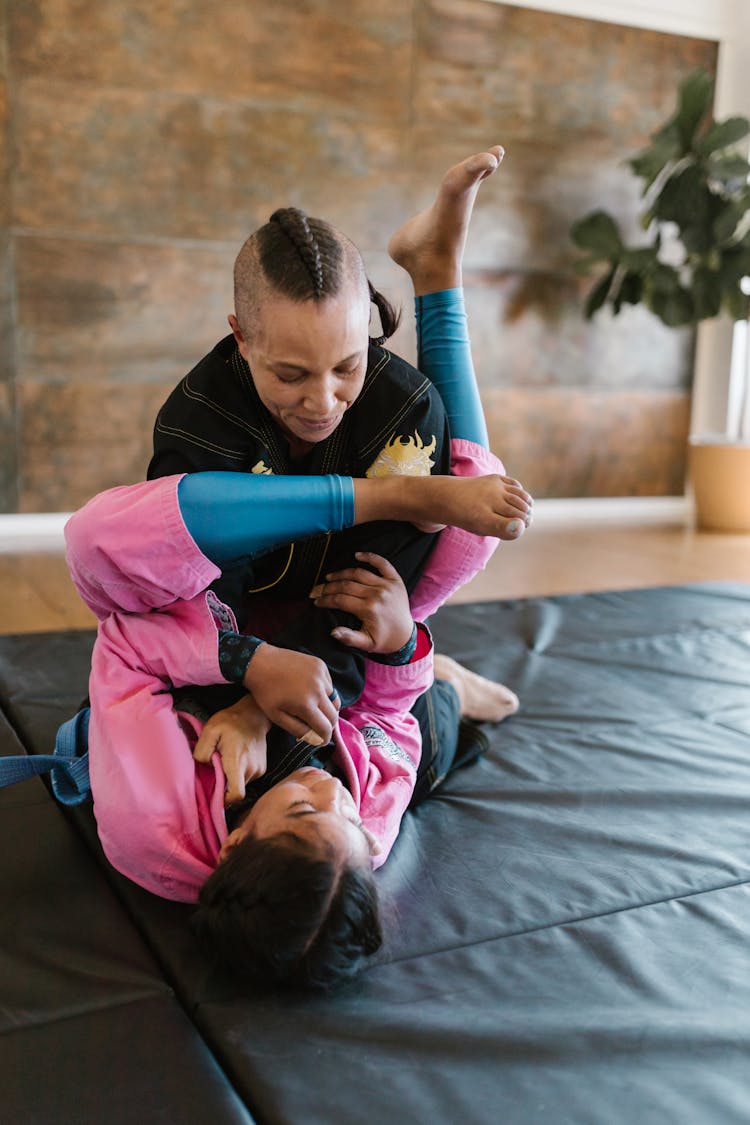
{"points": [[720, 477]]}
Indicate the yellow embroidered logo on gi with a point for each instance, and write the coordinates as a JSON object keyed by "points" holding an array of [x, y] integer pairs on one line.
{"points": [[262, 467], [403, 456]]}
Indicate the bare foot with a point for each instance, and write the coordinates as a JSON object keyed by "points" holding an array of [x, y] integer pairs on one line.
{"points": [[430, 245], [480, 699]]}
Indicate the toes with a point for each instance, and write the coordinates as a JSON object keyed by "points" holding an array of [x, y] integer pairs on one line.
{"points": [[511, 702], [481, 165], [513, 529]]}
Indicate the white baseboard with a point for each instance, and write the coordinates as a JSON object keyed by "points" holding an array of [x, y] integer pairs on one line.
{"points": [[593, 510], [35, 531], [43, 531]]}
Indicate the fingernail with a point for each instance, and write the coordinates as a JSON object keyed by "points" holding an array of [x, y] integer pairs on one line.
{"points": [[514, 527], [315, 592], [312, 739]]}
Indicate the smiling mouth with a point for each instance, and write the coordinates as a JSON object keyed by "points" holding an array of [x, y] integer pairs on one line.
{"points": [[314, 424]]}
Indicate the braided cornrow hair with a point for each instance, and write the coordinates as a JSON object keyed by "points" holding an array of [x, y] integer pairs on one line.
{"points": [[318, 251], [307, 259]]}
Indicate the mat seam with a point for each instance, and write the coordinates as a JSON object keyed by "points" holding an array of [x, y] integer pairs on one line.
{"points": [[571, 922], [166, 993]]}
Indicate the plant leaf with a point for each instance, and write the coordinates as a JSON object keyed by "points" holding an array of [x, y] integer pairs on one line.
{"points": [[695, 97], [674, 308], [706, 293], [631, 291], [737, 304], [665, 296], [729, 168], [640, 260], [722, 134], [731, 214], [686, 200], [664, 278], [598, 294], [735, 264], [598, 232], [651, 161], [698, 238]]}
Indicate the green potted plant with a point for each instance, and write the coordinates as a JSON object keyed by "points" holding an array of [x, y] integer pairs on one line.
{"points": [[694, 265]]}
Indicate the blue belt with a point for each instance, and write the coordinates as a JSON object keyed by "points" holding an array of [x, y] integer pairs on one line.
{"points": [[68, 765]]}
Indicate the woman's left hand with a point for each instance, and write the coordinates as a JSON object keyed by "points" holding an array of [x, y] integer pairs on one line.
{"points": [[380, 601], [238, 735]]}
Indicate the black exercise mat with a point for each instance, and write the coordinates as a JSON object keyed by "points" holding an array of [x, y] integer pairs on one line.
{"points": [[89, 1029], [567, 920]]}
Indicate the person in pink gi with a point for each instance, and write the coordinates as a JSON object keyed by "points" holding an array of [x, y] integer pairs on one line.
{"points": [[285, 887]]}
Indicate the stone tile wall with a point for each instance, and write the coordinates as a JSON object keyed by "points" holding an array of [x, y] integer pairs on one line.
{"points": [[8, 412], [146, 138]]}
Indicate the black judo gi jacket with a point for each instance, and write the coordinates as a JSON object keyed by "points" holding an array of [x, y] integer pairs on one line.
{"points": [[214, 420]]}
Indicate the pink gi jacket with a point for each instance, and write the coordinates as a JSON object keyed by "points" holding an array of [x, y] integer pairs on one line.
{"points": [[160, 815]]}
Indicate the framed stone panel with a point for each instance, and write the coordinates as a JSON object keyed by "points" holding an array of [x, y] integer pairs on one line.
{"points": [[146, 140]]}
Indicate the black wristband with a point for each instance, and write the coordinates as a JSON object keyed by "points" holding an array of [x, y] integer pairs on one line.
{"points": [[236, 650], [403, 656]]}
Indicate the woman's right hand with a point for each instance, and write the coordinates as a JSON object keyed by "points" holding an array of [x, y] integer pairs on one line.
{"points": [[293, 690], [238, 735]]}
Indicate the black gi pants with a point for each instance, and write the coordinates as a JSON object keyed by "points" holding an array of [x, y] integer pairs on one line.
{"points": [[448, 741]]}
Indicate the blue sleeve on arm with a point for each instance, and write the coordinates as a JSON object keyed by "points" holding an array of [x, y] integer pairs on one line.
{"points": [[445, 358], [235, 514]]}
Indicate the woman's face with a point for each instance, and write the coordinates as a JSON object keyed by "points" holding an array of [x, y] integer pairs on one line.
{"points": [[315, 806], [308, 360]]}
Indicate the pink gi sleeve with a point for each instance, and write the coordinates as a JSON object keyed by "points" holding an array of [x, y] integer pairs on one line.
{"points": [[160, 815], [379, 746], [458, 555], [129, 549]]}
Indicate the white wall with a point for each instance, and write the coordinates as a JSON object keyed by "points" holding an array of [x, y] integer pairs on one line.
{"points": [[705, 19]]}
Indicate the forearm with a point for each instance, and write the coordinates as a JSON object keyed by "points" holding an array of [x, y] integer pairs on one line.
{"points": [[388, 744], [234, 514]]}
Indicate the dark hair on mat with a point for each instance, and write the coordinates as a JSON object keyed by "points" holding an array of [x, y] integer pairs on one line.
{"points": [[275, 914], [304, 259]]}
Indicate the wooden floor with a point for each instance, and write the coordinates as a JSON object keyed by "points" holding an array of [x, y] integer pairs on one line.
{"points": [[36, 593]]}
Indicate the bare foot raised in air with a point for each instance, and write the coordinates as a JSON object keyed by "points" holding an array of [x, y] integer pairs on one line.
{"points": [[430, 245], [480, 699]]}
